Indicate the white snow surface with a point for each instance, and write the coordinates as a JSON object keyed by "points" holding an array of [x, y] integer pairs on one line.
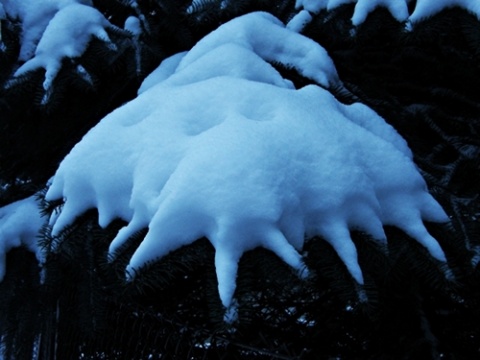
{"points": [[196, 4], [20, 223], [66, 35], [218, 144], [398, 8]]}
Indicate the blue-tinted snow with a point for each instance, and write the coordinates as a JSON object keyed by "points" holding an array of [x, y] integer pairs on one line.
{"points": [[219, 144]]}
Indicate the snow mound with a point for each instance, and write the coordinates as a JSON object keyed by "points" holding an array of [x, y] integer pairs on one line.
{"points": [[218, 144], [20, 223]]}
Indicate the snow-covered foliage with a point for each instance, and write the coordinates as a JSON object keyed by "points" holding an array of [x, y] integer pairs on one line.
{"points": [[35, 17], [219, 145], [20, 223], [398, 8], [62, 29], [3, 16]]}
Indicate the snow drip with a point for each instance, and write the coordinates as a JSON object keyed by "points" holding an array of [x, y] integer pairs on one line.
{"points": [[219, 144]]}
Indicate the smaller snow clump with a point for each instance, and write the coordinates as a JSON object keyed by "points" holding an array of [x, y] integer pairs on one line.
{"points": [[398, 8]]}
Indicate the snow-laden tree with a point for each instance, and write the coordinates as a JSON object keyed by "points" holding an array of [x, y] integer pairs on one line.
{"points": [[256, 130]]}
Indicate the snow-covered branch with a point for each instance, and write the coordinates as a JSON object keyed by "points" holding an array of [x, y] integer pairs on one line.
{"points": [[66, 35], [398, 8], [219, 144]]}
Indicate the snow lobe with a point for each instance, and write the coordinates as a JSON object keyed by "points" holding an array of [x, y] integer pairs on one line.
{"points": [[20, 223], [63, 31], [218, 144]]}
